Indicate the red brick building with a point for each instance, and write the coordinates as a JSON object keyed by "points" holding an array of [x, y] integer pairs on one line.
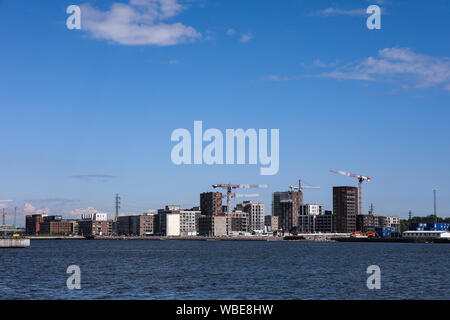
{"points": [[95, 227], [56, 227], [32, 223], [211, 203]]}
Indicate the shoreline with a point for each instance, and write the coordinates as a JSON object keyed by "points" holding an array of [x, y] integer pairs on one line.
{"points": [[246, 238]]}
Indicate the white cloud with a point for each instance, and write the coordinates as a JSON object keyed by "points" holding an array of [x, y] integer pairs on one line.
{"points": [[403, 66], [398, 66], [80, 211], [246, 37], [140, 22], [230, 32], [30, 209]]}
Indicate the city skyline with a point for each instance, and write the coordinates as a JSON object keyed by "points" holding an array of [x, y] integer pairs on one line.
{"points": [[86, 115]]}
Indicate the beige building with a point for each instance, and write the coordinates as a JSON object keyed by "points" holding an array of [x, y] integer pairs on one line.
{"points": [[255, 211], [271, 223]]}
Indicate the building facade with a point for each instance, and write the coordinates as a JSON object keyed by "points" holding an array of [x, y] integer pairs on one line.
{"points": [[307, 214], [285, 206], [271, 223], [95, 227], [345, 208], [365, 222], [255, 211], [56, 227], [211, 203], [169, 220], [212, 225], [239, 221], [33, 223], [189, 222], [95, 216]]}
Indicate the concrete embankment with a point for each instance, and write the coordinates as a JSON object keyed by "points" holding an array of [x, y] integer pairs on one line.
{"points": [[195, 238], [14, 243]]}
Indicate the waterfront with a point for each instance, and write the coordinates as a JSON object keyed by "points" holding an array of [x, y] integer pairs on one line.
{"points": [[224, 270]]}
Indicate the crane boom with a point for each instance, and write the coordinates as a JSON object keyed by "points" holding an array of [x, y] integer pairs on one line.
{"points": [[351, 175], [361, 179]]}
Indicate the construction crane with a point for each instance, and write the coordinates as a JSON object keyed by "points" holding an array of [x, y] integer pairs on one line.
{"points": [[4, 213], [361, 179], [230, 194], [300, 188]]}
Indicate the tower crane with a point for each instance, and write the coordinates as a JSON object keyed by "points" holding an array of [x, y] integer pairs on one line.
{"points": [[4, 213], [361, 179], [230, 194], [300, 188]]}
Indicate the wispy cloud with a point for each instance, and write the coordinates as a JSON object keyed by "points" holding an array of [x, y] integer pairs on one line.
{"points": [[231, 32], [398, 66], [140, 22], [246, 37], [93, 177]]}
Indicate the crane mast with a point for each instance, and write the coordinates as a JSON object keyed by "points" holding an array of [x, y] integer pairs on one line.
{"points": [[230, 194]]}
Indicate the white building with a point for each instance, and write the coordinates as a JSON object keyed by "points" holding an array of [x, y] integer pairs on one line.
{"points": [[189, 222], [98, 216], [426, 234], [307, 215], [173, 224], [386, 221], [310, 209], [392, 221], [255, 210]]}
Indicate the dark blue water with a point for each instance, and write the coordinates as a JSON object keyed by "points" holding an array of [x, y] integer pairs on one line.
{"points": [[224, 270]]}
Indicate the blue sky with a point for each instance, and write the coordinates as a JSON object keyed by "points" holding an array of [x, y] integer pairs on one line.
{"points": [[88, 113]]}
